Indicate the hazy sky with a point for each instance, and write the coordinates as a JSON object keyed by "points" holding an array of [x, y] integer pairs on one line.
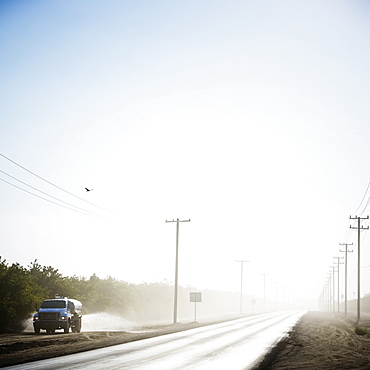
{"points": [[251, 118]]}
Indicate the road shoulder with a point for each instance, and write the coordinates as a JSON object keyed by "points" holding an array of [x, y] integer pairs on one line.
{"points": [[322, 341]]}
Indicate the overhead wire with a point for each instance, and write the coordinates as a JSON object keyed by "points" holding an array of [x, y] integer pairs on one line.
{"points": [[368, 185], [349, 229], [56, 186], [368, 202], [48, 200], [348, 232], [51, 196]]}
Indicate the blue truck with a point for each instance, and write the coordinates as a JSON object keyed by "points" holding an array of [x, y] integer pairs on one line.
{"points": [[58, 313]]}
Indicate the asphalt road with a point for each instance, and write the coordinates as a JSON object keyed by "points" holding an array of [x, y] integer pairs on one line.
{"points": [[236, 344]]}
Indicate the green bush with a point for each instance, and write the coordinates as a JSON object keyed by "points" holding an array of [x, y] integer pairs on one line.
{"points": [[360, 330], [22, 290]]}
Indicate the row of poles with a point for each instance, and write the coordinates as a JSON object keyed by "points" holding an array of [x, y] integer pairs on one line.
{"points": [[175, 304], [331, 284], [264, 290]]}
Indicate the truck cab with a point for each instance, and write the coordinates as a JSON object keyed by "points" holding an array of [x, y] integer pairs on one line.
{"points": [[58, 313]]}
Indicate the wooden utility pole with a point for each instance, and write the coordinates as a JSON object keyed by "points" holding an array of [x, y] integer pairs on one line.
{"points": [[345, 273], [359, 228], [241, 284], [329, 290], [276, 295], [333, 267], [331, 293], [338, 263], [264, 292], [176, 268]]}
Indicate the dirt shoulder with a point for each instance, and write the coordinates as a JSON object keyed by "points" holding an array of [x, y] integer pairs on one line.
{"points": [[322, 341]]}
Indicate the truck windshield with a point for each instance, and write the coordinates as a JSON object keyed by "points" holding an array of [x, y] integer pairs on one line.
{"points": [[53, 304]]}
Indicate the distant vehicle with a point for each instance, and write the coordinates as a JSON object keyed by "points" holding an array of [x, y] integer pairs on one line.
{"points": [[58, 313]]}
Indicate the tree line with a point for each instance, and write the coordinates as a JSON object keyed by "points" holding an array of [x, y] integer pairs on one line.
{"points": [[22, 289]]}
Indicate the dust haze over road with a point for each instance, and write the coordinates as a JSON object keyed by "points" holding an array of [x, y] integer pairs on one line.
{"points": [[100, 321]]}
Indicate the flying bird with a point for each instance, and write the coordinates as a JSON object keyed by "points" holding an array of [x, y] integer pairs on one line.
{"points": [[88, 189]]}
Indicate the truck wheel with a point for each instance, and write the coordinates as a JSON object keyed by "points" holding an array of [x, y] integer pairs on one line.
{"points": [[37, 330], [66, 330], [77, 327]]}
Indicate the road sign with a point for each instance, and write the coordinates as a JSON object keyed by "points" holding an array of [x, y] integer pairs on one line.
{"points": [[195, 297]]}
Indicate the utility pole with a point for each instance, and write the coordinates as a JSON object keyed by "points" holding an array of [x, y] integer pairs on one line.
{"points": [[359, 228], [176, 268], [241, 284], [338, 263], [333, 267], [276, 295], [323, 305], [264, 291], [328, 299], [329, 291], [345, 272]]}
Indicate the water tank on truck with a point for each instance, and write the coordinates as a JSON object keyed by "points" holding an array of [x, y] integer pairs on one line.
{"points": [[58, 313]]}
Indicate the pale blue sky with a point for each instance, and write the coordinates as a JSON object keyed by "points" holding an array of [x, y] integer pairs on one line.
{"points": [[249, 117]]}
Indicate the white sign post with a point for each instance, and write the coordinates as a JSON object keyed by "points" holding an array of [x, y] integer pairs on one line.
{"points": [[195, 297]]}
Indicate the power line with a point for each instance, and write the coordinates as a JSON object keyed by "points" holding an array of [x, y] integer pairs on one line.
{"points": [[368, 201], [40, 191], [38, 196], [58, 187], [348, 231], [363, 200]]}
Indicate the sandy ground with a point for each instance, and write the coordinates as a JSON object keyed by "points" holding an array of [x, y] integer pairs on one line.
{"points": [[319, 341], [323, 341]]}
